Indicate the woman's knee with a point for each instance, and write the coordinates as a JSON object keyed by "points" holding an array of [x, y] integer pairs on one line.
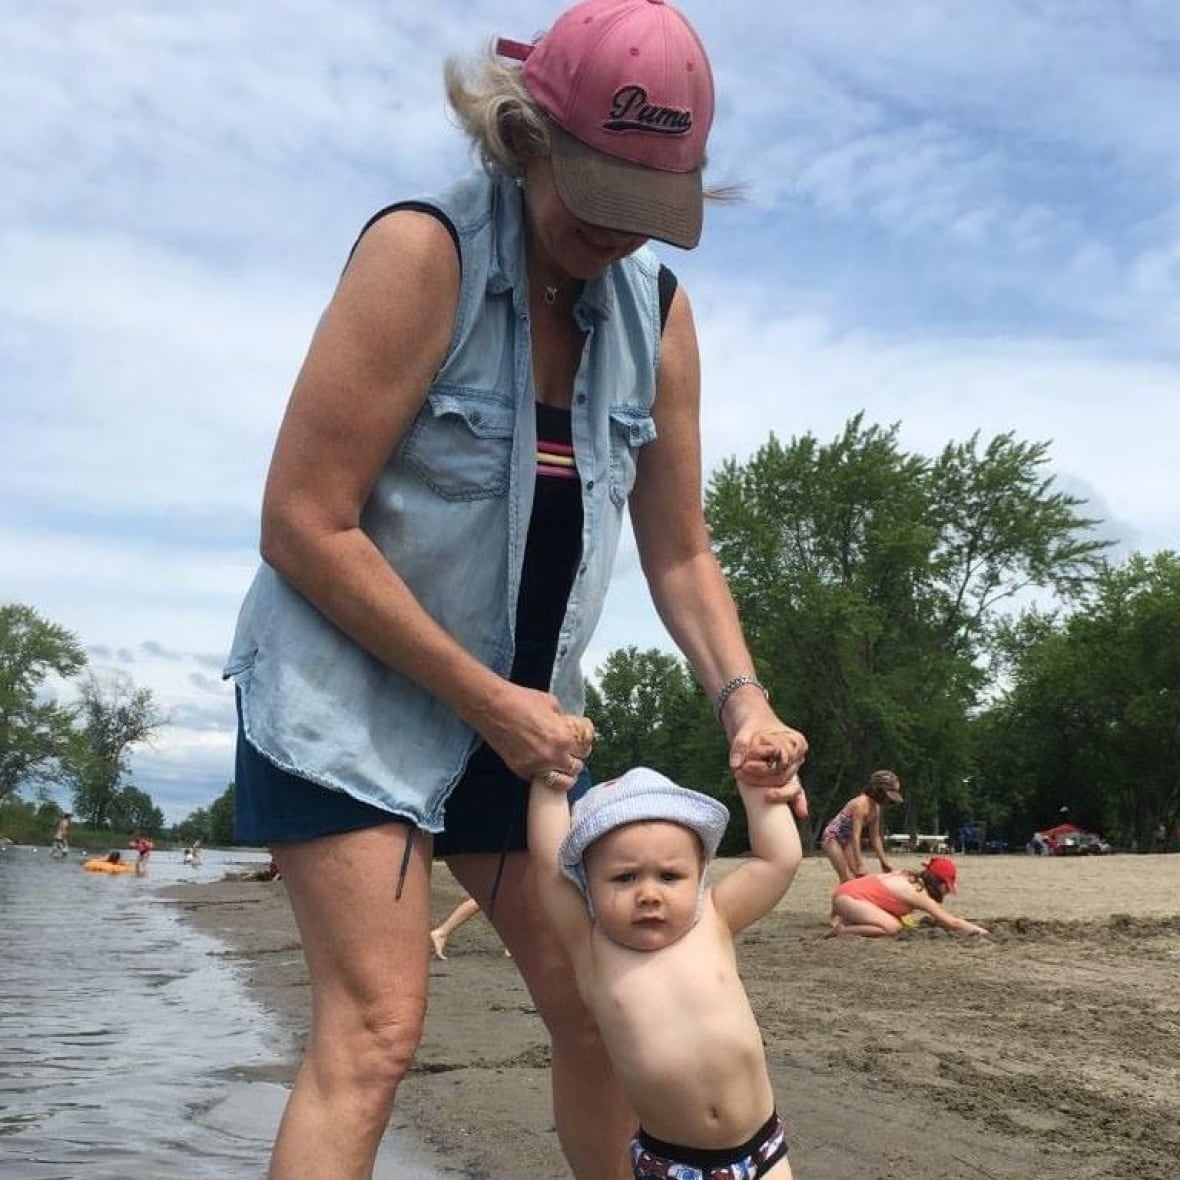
{"points": [[368, 1046]]}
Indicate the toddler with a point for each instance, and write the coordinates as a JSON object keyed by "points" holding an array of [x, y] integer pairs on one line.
{"points": [[623, 881]]}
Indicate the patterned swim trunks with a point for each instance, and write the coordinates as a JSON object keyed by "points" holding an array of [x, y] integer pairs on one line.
{"points": [[653, 1159]]}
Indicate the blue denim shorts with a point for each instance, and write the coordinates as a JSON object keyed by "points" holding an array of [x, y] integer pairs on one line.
{"points": [[486, 812]]}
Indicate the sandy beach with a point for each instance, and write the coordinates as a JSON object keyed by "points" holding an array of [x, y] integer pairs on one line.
{"points": [[1046, 1051]]}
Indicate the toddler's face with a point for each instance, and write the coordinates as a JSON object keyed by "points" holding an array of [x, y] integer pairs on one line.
{"points": [[644, 881]]}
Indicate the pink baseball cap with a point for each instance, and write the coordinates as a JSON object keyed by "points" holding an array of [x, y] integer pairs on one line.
{"points": [[628, 85]]}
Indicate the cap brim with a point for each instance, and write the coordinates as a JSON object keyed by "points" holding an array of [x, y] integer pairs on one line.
{"points": [[630, 198]]}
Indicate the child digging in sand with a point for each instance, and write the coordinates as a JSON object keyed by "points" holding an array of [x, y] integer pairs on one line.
{"points": [[879, 905], [622, 880]]}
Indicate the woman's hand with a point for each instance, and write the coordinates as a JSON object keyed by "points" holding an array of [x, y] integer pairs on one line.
{"points": [[535, 738], [769, 758]]}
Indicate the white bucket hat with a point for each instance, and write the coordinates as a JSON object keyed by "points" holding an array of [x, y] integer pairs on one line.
{"points": [[640, 794]]}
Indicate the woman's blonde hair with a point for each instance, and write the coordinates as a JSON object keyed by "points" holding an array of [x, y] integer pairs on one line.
{"points": [[496, 112], [505, 125]]}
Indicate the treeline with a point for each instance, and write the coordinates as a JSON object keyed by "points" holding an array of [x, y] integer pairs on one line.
{"points": [[83, 746], [954, 618], [32, 821], [212, 825]]}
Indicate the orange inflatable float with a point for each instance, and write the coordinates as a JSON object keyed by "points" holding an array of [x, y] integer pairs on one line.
{"points": [[107, 866]]}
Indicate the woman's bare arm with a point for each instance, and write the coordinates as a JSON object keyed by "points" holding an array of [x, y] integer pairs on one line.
{"points": [[375, 352], [687, 585]]}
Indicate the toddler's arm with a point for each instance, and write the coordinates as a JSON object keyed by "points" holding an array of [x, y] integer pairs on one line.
{"points": [[548, 826], [755, 887]]}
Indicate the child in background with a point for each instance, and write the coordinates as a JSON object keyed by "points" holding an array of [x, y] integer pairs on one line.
{"points": [[61, 835], [623, 882], [878, 905], [461, 914], [143, 847], [841, 838]]}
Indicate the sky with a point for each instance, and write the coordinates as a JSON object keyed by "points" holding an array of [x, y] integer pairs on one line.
{"points": [[957, 218]]}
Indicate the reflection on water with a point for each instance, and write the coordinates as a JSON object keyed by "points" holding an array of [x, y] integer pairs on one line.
{"points": [[126, 1038], [120, 1030]]}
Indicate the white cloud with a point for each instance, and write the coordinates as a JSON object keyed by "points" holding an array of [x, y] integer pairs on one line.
{"points": [[958, 218]]}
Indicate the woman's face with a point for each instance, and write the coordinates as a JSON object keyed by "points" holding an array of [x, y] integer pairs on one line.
{"points": [[579, 249]]}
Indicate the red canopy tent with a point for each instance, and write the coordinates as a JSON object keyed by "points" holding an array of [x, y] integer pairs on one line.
{"points": [[1053, 838], [1053, 835]]}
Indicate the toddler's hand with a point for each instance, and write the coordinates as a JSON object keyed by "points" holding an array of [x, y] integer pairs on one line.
{"points": [[791, 793], [582, 729]]}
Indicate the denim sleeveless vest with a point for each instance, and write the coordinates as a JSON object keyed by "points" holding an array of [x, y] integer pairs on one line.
{"points": [[450, 512]]}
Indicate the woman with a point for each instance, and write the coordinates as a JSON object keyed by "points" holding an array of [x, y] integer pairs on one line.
{"points": [[879, 905], [492, 382], [842, 835]]}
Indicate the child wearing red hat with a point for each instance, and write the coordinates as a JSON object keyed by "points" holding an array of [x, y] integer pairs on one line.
{"points": [[877, 905]]}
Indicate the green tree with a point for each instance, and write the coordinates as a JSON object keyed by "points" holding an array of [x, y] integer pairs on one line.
{"points": [[1091, 720], [642, 704], [648, 711], [869, 581], [19, 820], [195, 826], [113, 716], [34, 733], [221, 818], [131, 808]]}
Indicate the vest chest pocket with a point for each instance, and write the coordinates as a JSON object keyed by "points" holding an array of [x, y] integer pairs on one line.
{"points": [[460, 445], [631, 427]]}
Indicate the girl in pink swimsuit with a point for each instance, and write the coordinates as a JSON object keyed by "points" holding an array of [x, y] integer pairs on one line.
{"points": [[875, 906]]}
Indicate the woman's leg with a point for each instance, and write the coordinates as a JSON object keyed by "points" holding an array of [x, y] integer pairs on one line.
{"points": [[838, 859], [463, 912], [594, 1121], [862, 917], [366, 952]]}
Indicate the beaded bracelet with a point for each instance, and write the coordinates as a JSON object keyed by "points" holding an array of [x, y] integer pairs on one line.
{"points": [[730, 687]]}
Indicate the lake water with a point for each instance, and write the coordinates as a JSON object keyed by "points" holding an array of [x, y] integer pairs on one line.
{"points": [[125, 1035]]}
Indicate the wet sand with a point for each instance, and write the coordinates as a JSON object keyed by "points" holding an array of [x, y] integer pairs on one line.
{"points": [[1046, 1051]]}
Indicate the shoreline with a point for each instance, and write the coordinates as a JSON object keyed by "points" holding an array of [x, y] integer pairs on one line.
{"points": [[1042, 1050]]}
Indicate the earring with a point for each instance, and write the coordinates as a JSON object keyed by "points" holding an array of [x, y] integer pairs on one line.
{"points": [[518, 180]]}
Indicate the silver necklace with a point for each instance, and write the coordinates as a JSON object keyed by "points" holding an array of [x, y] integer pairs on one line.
{"points": [[550, 295]]}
